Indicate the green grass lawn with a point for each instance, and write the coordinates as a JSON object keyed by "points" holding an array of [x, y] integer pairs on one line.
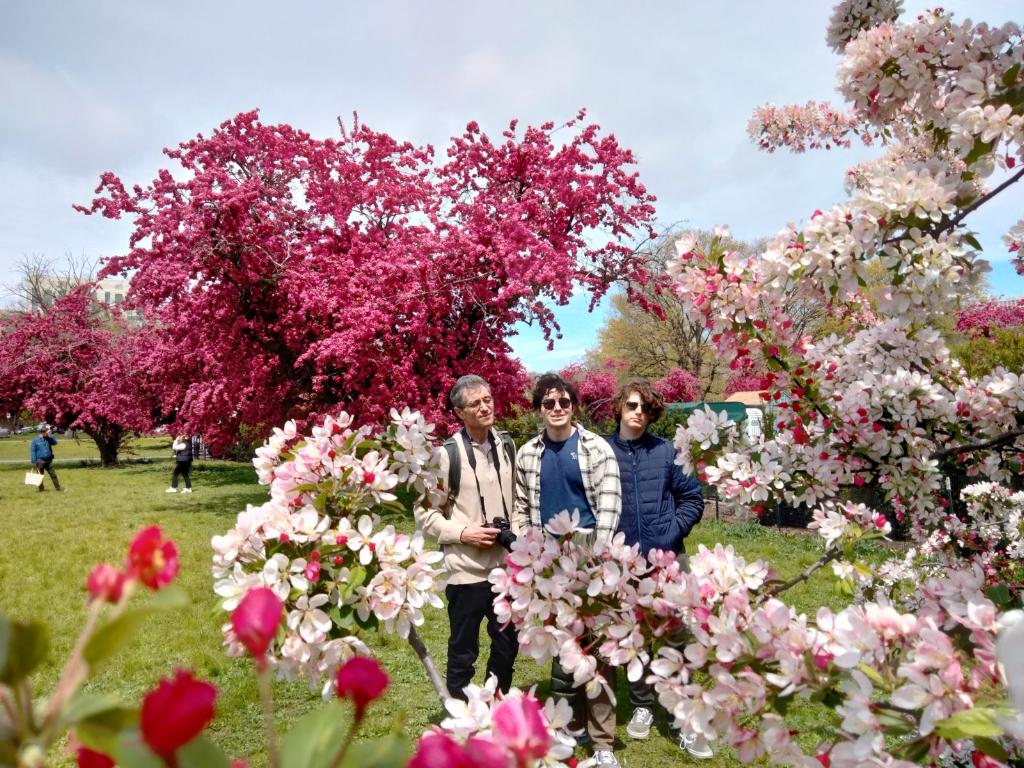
{"points": [[49, 541]]}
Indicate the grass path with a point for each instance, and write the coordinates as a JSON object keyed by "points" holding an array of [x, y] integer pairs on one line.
{"points": [[49, 541]]}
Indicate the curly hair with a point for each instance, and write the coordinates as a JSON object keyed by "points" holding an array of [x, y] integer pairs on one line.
{"points": [[549, 381], [648, 395]]}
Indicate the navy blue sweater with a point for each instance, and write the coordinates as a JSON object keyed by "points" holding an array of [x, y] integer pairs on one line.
{"points": [[660, 503]]}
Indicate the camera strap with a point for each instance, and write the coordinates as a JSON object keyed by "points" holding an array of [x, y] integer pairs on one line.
{"points": [[471, 455]]}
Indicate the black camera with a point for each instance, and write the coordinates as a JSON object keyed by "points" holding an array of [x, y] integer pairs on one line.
{"points": [[505, 535]]}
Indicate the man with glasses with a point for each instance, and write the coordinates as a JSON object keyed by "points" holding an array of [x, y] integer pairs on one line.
{"points": [[463, 527], [660, 506], [567, 467]]}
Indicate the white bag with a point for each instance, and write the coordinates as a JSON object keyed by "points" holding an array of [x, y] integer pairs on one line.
{"points": [[34, 478]]}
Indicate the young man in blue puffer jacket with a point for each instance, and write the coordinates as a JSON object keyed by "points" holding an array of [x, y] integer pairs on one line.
{"points": [[660, 506]]}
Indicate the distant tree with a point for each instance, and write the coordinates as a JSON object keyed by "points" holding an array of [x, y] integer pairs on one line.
{"points": [[290, 276], [79, 368], [653, 333], [988, 335], [40, 280], [596, 385], [679, 386], [747, 382]]}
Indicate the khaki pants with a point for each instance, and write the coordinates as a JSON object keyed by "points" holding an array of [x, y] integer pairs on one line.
{"points": [[597, 715]]}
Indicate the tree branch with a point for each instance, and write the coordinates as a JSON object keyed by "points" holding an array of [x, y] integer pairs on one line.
{"points": [[995, 442], [830, 555]]}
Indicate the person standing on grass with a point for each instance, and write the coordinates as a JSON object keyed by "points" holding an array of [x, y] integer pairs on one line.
{"points": [[182, 447], [567, 467], [483, 460], [40, 453], [660, 506]]}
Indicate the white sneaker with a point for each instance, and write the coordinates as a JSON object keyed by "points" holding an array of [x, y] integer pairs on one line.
{"points": [[640, 725], [171, 490], [607, 758], [696, 745], [186, 490]]}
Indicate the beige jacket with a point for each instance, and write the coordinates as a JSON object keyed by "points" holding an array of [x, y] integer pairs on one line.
{"points": [[465, 563]]}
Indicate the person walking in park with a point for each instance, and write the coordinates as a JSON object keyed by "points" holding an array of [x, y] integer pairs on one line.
{"points": [[660, 506], [182, 447], [567, 467], [40, 453], [473, 527]]}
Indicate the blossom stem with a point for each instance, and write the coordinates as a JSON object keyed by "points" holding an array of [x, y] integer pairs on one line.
{"points": [[349, 737], [74, 672], [428, 663], [995, 442], [266, 700], [828, 557]]}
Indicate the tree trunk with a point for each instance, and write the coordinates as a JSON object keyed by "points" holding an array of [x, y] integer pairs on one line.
{"points": [[108, 441]]}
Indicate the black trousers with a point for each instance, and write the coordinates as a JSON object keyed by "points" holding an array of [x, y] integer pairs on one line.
{"points": [[46, 465], [182, 468], [468, 605]]}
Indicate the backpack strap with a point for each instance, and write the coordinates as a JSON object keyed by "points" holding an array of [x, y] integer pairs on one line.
{"points": [[510, 448], [454, 471]]}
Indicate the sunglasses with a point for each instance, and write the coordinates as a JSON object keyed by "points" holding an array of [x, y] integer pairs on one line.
{"points": [[549, 404], [632, 405]]}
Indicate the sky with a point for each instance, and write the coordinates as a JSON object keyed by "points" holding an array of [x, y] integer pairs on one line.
{"points": [[104, 86]]}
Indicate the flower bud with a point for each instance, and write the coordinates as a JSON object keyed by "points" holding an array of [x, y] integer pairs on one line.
{"points": [[175, 712], [255, 621], [106, 583], [362, 680]]}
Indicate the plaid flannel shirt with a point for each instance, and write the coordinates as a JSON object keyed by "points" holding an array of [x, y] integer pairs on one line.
{"points": [[600, 471]]}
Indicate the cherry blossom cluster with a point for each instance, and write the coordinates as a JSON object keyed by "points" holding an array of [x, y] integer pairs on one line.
{"points": [[492, 729], [989, 533], [850, 17], [815, 125], [882, 669], [319, 545]]}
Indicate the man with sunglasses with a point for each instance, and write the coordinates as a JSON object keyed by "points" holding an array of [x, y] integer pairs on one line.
{"points": [[462, 526], [660, 506], [567, 467]]}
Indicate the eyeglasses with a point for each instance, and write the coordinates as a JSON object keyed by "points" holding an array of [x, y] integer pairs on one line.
{"points": [[476, 404], [632, 405], [549, 404]]}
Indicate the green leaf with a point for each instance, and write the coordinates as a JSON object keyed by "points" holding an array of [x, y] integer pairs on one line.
{"points": [[116, 634], [1010, 75], [27, 646], [392, 751], [972, 241], [202, 752], [87, 706], [970, 723], [872, 675], [1000, 595], [315, 740], [131, 752], [979, 150], [992, 748]]}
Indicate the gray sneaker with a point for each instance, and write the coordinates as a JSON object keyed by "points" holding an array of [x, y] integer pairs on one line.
{"points": [[640, 725], [696, 745], [606, 757]]}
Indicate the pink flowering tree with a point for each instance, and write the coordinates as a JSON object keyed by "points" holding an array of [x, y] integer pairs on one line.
{"points": [[747, 382], [908, 671], [597, 385], [982, 318], [291, 276], [678, 386], [78, 367]]}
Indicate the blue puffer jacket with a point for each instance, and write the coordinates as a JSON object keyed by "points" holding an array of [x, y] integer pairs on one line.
{"points": [[660, 504]]}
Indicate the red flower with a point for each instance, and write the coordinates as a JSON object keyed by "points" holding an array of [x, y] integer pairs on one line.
{"points": [[438, 750], [520, 727], [361, 679], [89, 758], [106, 582], [255, 621], [175, 712], [152, 559]]}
